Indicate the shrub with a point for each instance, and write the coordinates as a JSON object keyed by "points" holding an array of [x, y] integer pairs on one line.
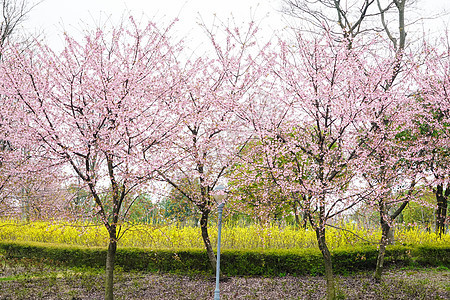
{"points": [[233, 262], [433, 255]]}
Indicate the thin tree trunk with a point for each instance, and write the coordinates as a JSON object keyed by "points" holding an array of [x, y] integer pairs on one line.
{"points": [[331, 292], [441, 211], [305, 221], [444, 216], [385, 228], [387, 231], [206, 241], [297, 219], [110, 258]]}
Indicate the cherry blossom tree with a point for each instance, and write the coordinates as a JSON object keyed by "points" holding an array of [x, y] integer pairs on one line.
{"points": [[211, 132], [8, 164], [12, 158], [15, 159], [96, 107], [389, 168], [363, 20], [433, 93], [311, 134]]}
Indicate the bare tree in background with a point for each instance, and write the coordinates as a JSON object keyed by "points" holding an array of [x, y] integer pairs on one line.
{"points": [[14, 12], [346, 19]]}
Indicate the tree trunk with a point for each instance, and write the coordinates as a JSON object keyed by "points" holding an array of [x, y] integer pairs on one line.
{"points": [[297, 218], [390, 236], [110, 258], [385, 228], [441, 211], [206, 241], [320, 234]]}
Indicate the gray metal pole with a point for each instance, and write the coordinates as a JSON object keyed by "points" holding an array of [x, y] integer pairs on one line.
{"points": [[217, 290]]}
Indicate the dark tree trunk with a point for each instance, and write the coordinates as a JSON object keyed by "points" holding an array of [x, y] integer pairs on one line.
{"points": [[320, 234], [297, 221], [385, 228], [305, 221], [205, 236], [441, 211], [297, 218], [110, 258]]}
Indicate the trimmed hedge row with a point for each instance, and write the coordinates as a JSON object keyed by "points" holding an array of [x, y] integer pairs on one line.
{"points": [[233, 263]]}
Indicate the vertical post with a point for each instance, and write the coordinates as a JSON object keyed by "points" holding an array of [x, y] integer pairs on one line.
{"points": [[217, 290]]}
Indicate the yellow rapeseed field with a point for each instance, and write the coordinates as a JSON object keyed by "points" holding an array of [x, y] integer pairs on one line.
{"points": [[233, 237]]}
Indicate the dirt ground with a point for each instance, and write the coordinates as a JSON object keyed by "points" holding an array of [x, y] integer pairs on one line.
{"points": [[430, 283]]}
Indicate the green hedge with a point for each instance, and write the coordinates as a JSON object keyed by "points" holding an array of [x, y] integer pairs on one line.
{"points": [[432, 255], [242, 262]]}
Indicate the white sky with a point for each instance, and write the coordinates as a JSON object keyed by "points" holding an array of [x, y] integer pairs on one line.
{"points": [[52, 17]]}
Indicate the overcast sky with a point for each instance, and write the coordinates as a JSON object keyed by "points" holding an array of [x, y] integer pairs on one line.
{"points": [[54, 16]]}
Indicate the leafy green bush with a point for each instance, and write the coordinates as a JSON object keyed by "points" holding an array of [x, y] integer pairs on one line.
{"points": [[69, 255], [350, 259], [272, 262], [233, 262], [432, 255]]}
